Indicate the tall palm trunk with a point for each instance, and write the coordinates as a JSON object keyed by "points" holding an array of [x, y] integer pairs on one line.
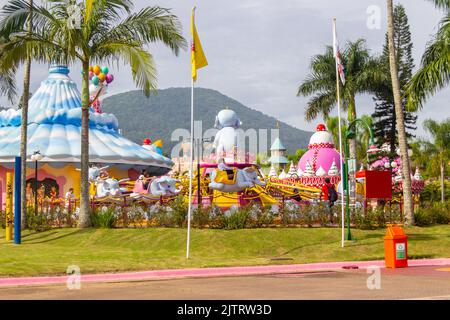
{"points": [[442, 181], [85, 219], [24, 128], [406, 170]]}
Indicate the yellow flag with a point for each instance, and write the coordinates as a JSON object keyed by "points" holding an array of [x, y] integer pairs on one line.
{"points": [[198, 58]]}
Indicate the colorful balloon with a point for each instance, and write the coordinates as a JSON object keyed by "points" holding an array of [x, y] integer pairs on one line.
{"points": [[95, 80], [91, 74], [91, 68], [102, 77], [96, 69], [109, 78], [105, 70]]}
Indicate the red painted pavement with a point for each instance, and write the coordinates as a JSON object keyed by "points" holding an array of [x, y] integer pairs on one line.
{"points": [[210, 272]]}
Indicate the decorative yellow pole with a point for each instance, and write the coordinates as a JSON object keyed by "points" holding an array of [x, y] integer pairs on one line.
{"points": [[9, 203]]}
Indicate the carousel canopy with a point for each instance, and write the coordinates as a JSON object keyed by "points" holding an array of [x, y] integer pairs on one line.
{"points": [[54, 128]]}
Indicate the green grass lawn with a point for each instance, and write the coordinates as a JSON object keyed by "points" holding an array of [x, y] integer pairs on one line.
{"points": [[109, 250]]}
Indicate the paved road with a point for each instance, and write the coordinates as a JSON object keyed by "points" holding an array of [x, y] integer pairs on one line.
{"points": [[410, 283]]}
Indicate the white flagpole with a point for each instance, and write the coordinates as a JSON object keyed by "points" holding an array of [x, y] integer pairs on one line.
{"points": [[191, 156], [338, 95]]}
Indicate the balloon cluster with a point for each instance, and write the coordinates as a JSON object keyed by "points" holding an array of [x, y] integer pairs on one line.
{"points": [[100, 78], [98, 75]]}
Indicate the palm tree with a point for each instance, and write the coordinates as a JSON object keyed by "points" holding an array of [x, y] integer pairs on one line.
{"points": [[403, 144], [438, 151], [102, 35], [434, 73], [7, 76], [362, 75], [24, 124], [333, 128], [363, 138]]}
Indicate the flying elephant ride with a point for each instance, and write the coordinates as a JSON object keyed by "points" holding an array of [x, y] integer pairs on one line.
{"points": [[227, 178], [104, 188], [150, 190], [233, 184]]}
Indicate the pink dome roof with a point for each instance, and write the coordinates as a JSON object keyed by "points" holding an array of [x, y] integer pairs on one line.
{"points": [[320, 157], [321, 151]]}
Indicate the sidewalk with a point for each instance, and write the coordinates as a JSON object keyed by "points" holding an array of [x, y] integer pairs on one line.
{"points": [[210, 272]]}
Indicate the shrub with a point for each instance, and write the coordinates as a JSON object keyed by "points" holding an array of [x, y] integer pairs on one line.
{"points": [[201, 216], [260, 216], [136, 215], [104, 217], [215, 217], [435, 213], [440, 213], [322, 213], [367, 219], [302, 214], [163, 216], [179, 210], [422, 217], [235, 218], [37, 222]]}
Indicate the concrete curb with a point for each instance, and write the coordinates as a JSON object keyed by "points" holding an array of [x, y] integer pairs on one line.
{"points": [[209, 272]]}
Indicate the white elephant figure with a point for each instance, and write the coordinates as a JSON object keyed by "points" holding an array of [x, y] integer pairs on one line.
{"points": [[226, 139], [164, 186], [94, 172], [109, 187], [245, 178]]}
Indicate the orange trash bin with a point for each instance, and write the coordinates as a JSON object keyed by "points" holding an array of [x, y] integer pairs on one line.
{"points": [[395, 247]]}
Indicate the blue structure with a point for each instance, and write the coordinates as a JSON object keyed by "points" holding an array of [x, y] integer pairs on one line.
{"points": [[54, 129], [17, 211], [278, 154]]}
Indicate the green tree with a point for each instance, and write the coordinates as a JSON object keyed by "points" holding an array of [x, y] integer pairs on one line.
{"points": [[107, 31], [295, 157], [384, 125], [437, 150], [400, 123], [434, 72], [363, 138], [362, 74], [7, 76], [333, 128], [24, 55]]}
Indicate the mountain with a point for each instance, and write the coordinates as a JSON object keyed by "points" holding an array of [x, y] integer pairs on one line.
{"points": [[157, 116]]}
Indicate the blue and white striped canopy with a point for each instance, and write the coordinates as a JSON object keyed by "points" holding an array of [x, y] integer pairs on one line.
{"points": [[54, 128]]}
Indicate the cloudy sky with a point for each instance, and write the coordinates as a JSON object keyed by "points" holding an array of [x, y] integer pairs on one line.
{"points": [[259, 50]]}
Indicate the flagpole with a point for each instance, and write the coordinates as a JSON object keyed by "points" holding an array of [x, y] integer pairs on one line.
{"points": [[338, 96], [190, 171]]}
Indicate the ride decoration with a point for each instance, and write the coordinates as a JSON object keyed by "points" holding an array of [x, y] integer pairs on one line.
{"points": [[102, 185], [155, 146], [99, 78], [382, 161], [321, 160]]}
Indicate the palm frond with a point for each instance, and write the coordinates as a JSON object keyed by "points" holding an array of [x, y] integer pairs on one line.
{"points": [[434, 73], [8, 84], [441, 4], [321, 103], [150, 25], [140, 60]]}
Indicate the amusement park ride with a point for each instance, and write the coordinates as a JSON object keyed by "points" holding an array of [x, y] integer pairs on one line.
{"points": [[228, 179], [122, 170]]}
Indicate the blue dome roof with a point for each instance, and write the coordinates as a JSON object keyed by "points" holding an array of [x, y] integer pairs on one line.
{"points": [[54, 128]]}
